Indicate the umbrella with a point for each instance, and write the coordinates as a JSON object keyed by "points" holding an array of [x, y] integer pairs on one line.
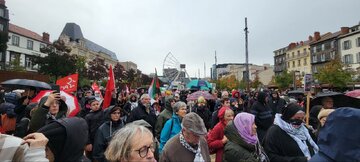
{"points": [[198, 84], [196, 95], [71, 101], [340, 100], [295, 93], [354, 93], [25, 83]]}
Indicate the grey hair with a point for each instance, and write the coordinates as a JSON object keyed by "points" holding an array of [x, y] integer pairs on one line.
{"points": [[120, 146], [177, 106], [144, 96]]}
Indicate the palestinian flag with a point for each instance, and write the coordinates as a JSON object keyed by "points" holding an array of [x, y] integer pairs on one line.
{"points": [[154, 87]]}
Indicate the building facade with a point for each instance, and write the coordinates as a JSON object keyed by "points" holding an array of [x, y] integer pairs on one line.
{"points": [[4, 31], [129, 65], [73, 37], [298, 57], [350, 48], [323, 49], [23, 45], [280, 60]]}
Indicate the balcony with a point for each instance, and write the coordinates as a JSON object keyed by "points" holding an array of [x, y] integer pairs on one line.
{"points": [[302, 55]]}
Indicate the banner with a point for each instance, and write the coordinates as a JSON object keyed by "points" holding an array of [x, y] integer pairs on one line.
{"points": [[307, 83], [69, 83]]}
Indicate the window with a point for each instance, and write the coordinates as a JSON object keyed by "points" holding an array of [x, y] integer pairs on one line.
{"points": [[314, 59], [293, 54], [28, 63], [318, 48], [1, 27], [15, 40], [288, 64], [2, 56], [14, 58], [304, 50], [299, 62], [30, 45], [42, 46], [348, 59], [322, 57], [358, 42], [298, 52], [305, 63], [288, 55], [327, 45], [346, 45], [332, 54], [2, 12], [314, 69], [358, 57], [293, 64]]}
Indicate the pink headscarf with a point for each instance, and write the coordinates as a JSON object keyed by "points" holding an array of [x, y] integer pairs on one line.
{"points": [[243, 123]]}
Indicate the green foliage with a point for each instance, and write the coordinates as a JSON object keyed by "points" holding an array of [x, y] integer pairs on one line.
{"points": [[97, 69], [283, 80], [131, 75], [228, 83], [256, 82], [334, 73], [83, 81]]}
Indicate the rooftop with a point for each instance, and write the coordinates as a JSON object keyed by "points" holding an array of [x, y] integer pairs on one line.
{"points": [[25, 32]]}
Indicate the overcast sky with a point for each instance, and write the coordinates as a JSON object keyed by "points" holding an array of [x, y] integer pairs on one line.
{"points": [[145, 31]]}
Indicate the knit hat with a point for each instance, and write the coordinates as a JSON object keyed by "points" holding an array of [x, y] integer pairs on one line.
{"points": [[201, 99], [232, 100], [290, 110], [324, 113]]}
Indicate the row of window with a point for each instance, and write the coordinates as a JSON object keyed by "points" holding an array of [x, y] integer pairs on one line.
{"points": [[349, 58], [323, 57], [298, 63], [347, 44], [15, 40], [298, 53], [16, 57]]}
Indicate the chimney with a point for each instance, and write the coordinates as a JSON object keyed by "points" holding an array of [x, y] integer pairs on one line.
{"points": [[317, 36], [310, 38], [2, 2], [46, 37], [292, 45], [344, 30], [301, 43]]}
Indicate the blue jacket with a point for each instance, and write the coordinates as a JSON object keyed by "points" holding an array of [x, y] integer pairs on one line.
{"points": [[171, 128], [339, 138]]}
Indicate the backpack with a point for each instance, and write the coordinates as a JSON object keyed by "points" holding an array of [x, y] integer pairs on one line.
{"points": [[8, 124]]}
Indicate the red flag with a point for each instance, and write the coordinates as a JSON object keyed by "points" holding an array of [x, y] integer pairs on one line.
{"points": [[96, 89], [68, 83], [110, 87]]}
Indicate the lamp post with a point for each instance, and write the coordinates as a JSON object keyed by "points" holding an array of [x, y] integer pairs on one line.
{"points": [[294, 79]]}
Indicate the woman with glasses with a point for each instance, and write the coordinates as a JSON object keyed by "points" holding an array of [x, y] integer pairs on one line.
{"points": [[105, 132], [131, 143], [173, 126]]}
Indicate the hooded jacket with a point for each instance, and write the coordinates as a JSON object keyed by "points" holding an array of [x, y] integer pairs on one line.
{"points": [[215, 136], [128, 105], [338, 140], [165, 115], [41, 116], [171, 128], [94, 119], [263, 115], [236, 149], [104, 135], [74, 142], [276, 104], [205, 114], [140, 113]]}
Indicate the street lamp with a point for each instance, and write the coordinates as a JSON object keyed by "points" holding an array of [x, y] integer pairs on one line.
{"points": [[294, 79]]}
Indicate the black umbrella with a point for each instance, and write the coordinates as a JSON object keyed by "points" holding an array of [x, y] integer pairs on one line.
{"points": [[295, 93], [340, 100], [25, 83]]}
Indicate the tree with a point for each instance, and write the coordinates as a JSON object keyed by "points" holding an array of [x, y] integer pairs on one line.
{"points": [[283, 80], [14, 65], [334, 73], [131, 74], [58, 61], [97, 69], [228, 83]]}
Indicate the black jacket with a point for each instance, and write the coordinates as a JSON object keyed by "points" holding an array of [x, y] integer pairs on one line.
{"points": [[205, 115], [94, 120], [276, 105], [279, 146], [104, 135], [139, 113], [263, 115]]}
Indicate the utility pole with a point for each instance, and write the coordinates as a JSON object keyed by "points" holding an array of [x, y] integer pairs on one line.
{"points": [[247, 57], [204, 70]]}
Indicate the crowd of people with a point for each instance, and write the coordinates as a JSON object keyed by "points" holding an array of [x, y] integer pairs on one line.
{"points": [[257, 126]]}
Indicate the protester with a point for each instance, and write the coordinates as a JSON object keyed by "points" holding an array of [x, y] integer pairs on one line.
{"points": [[323, 114], [201, 108], [235, 106], [225, 102], [164, 115], [149, 127], [125, 146], [327, 103], [276, 103], [263, 114], [339, 139], [50, 108], [173, 126], [32, 148], [190, 144], [25, 99], [216, 139], [106, 131], [144, 111], [288, 139], [93, 119], [67, 139], [131, 104], [22, 127], [243, 143]]}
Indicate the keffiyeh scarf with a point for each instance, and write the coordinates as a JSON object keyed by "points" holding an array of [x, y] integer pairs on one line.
{"points": [[198, 156]]}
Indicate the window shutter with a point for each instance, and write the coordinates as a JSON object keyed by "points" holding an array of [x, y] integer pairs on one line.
{"points": [[351, 58], [358, 57], [343, 59], [349, 44]]}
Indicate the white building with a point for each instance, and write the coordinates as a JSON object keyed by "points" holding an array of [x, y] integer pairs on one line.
{"points": [[350, 48], [24, 44]]}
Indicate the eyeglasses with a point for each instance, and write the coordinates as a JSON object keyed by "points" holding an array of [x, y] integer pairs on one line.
{"points": [[145, 150]]}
